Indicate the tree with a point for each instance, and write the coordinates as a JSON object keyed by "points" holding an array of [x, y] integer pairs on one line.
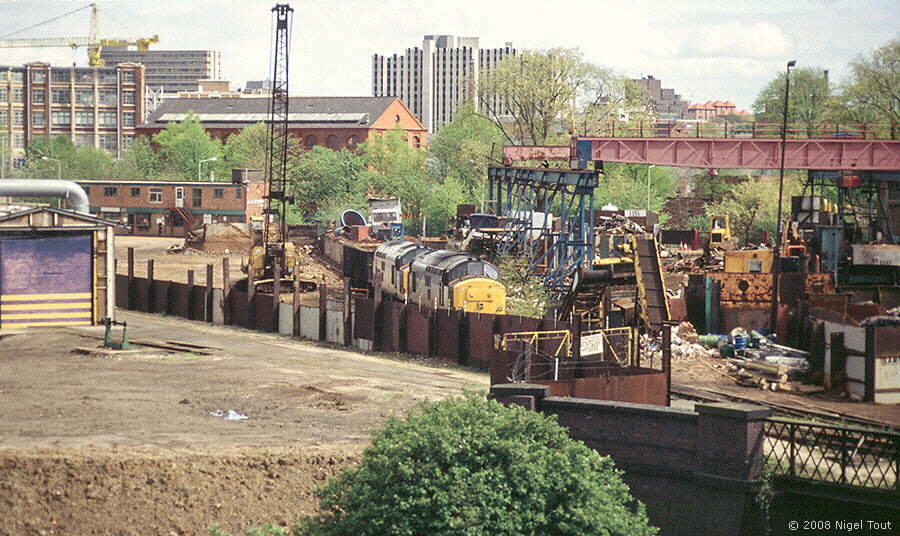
{"points": [[183, 144], [139, 161], [463, 149], [625, 185], [49, 157], [247, 149], [322, 181], [752, 207], [872, 94], [396, 169], [474, 467], [809, 100], [542, 97]]}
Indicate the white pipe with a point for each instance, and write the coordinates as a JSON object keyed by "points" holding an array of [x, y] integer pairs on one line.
{"points": [[47, 188]]}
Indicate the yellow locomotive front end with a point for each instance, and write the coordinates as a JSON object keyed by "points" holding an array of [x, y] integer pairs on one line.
{"points": [[478, 295]]}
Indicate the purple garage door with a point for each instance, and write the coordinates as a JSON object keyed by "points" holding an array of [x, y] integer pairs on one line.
{"points": [[46, 281]]}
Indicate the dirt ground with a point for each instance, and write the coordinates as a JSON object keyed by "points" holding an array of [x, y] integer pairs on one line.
{"points": [[175, 266], [93, 442]]}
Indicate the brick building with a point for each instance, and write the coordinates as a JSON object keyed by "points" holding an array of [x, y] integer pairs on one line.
{"points": [[334, 122], [172, 208], [94, 106]]}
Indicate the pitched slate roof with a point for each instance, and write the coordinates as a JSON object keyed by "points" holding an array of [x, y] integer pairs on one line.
{"points": [[308, 112]]}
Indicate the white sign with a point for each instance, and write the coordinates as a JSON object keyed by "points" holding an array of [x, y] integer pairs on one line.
{"points": [[207, 218], [591, 344]]}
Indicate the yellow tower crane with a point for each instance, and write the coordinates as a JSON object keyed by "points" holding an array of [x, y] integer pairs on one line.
{"points": [[92, 41]]}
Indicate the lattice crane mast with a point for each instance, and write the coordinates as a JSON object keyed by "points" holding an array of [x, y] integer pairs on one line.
{"points": [[92, 41]]}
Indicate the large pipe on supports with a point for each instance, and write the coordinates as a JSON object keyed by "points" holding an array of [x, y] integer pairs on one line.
{"points": [[47, 188]]}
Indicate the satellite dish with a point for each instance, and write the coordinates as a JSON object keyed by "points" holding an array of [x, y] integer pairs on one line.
{"points": [[352, 217]]}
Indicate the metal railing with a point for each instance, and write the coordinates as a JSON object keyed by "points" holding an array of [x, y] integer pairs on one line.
{"points": [[828, 453], [697, 129]]}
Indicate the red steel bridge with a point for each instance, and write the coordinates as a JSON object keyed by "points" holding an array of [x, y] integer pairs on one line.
{"points": [[737, 146]]}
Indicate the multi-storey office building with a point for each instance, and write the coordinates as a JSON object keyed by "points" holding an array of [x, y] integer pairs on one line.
{"points": [[93, 106], [170, 70], [435, 79]]}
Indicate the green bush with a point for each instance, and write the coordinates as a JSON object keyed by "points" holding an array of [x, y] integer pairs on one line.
{"points": [[474, 467]]}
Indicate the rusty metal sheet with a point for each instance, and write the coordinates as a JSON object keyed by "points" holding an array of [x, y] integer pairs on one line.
{"points": [[677, 309], [745, 315], [447, 334], [238, 309], [122, 291], [818, 285], [140, 288], [263, 315], [522, 153], [639, 386], [160, 296], [418, 330], [501, 366], [198, 303], [887, 341], [387, 326], [179, 295], [742, 287], [364, 318], [791, 288], [479, 336]]}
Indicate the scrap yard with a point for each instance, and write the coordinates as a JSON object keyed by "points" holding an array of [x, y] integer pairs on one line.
{"points": [[246, 311]]}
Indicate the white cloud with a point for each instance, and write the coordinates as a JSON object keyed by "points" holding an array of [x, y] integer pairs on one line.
{"points": [[762, 40]]}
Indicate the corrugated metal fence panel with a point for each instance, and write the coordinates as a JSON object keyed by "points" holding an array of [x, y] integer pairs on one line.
{"points": [[238, 309], [122, 291], [198, 303], [142, 294], [309, 322], [447, 333], [263, 316], [364, 319], [501, 366], [160, 296], [218, 298], [479, 336], [418, 330], [388, 324], [334, 326], [285, 319], [179, 298], [46, 280]]}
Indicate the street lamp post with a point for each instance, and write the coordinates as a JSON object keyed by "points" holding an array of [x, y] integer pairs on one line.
{"points": [[648, 188], [776, 268], [58, 166], [213, 159]]}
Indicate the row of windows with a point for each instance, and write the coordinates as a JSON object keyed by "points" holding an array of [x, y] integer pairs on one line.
{"points": [[155, 195]]}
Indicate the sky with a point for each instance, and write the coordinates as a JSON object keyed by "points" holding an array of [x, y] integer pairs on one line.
{"points": [[704, 49]]}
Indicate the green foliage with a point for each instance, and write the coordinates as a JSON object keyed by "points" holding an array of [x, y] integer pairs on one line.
{"points": [[183, 144], [710, 188], [139, 161], [525, 293], [396, 169], [268, 529], [47, 158], [871, 94], [247, 149], [625, 185], [440, 204], [462, 149], [753, 205], [323, 180], [474, 467], [809, 99]]}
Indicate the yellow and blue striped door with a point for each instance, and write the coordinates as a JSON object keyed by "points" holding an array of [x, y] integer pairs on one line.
{"points": [[46, 280]]}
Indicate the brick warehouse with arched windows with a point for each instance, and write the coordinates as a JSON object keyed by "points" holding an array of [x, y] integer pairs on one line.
{"points": [[334, 122]]}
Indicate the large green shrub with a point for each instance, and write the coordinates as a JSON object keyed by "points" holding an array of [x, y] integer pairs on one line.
{"points": [[475, 467]]}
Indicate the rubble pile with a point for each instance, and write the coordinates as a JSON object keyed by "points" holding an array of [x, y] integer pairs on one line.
{"points": [[890, 318], [617, 224]]}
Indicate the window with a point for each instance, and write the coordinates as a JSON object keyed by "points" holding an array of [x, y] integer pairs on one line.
{"points": [[4, 94], [128, 97], [135, 192], [18, 117], [38, 119], [83, 76], [18, 94], [107, 77], [127, 139], [108, 119], [38, 77], [84, 119], [128, 78], [61, 96], [84, 140], [156, 195], [38, 96], [198, 197], [110, 191], [17, 76], [333, 142], [416, 142], [87, 190], [310, 141], [18, 140], [218, 193], [353, 141], [108, 97], [61, 76], [84, 97], [61, 118], [237, 193], [108, 142], [4, 117], [128, 120]]}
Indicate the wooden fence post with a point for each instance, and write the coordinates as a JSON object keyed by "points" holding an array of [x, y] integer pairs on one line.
{"points": [[226, 290]]}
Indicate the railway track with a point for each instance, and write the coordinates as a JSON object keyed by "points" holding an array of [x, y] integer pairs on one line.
{"points": [[686, 392]]}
